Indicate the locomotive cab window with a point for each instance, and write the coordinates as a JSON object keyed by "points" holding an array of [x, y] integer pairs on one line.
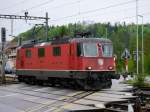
{"points": [[28, 53], [56, 51], [41, 52], [90, 49]]}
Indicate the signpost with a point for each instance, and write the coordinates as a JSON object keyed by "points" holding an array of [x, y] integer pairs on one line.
{"points": [[126, 56]]}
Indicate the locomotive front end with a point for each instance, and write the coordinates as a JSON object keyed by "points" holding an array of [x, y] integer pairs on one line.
{"points": [[96, 60], [96, 56]]}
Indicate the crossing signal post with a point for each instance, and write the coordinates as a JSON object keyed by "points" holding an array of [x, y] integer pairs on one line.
{"points": [[3, 35]]}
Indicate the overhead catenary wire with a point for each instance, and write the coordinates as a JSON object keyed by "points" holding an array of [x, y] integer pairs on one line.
{"points": [[34, 7], [95, 10], [62, 5], [118, 11], [115, 5], [47, 2], [92, 11], [130, 17], [107, 7], [39, 5], [13, 6]]}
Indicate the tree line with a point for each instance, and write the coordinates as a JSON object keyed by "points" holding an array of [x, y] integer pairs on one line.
{"points": [[122, 35]]}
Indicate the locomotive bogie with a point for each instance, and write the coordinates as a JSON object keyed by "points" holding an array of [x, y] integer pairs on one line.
{"points": [[85, 79]]}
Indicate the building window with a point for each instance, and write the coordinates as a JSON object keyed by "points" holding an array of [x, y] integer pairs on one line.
{"points": [[56, 51], [28, 53], [41, 52]]}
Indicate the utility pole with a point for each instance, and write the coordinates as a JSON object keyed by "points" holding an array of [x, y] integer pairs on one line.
{"points": [[12, 26], [137, 41], [142, 44], [46, 23], [106, 33]]}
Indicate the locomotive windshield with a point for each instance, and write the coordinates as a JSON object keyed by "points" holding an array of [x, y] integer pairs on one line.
{"points": [[107, 50], [90, 49]]}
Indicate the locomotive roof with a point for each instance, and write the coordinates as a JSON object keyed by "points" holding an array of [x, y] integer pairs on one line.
{"points": [[101, 40], [66, 40]]}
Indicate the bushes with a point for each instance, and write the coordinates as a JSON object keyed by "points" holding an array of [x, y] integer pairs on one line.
{"points": [[139, 81]]}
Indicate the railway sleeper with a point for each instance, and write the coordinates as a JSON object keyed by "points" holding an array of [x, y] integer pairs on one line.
{"points": [[114, 110]]}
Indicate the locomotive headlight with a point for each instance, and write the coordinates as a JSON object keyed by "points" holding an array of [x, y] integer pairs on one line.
{"points": [[89, 68], [100, 61], [110, 67]]}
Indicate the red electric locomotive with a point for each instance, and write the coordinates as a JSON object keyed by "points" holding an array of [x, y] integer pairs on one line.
{"points": [[86, 63]]}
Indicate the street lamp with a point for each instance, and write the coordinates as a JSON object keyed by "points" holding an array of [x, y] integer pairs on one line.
{"points": [[142, 45]]}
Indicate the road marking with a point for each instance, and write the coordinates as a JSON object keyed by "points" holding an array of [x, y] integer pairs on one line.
{"points": [[9, 95], [40, 89]]}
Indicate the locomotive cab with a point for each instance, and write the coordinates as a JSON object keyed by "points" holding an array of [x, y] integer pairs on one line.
{"points": [[95, 56], [95, 62]]}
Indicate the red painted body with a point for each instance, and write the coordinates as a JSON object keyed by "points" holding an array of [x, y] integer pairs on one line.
{"points": [[86, 63], [68, 61]]}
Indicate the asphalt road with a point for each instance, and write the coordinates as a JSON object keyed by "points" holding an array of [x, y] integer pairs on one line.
{"points": [[29, 98]]}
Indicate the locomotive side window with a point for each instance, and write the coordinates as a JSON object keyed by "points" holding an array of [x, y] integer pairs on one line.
{"points": [[56, 51], [107, 50], [79, 49], [28, 53], [41, 52]]}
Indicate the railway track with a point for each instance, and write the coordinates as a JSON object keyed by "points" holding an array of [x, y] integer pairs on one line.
{"points": [[35, 98], [144, 96]]}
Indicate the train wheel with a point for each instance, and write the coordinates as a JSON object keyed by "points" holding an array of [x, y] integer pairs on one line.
{"points": [[33, 81], [26, 80], [109, 83], [40, 82], [86, 84], [20, 79], [106, 83], [51, 81]]}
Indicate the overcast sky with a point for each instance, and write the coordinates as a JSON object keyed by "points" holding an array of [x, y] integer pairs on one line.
{"points": [[71, 11]]}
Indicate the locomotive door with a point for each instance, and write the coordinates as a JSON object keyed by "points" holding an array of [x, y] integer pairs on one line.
{"points": [[73, 57], [22, 59]]}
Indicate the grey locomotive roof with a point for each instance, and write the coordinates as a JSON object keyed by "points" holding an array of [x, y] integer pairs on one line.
{"points": [[66, 40], [103, 40]]}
